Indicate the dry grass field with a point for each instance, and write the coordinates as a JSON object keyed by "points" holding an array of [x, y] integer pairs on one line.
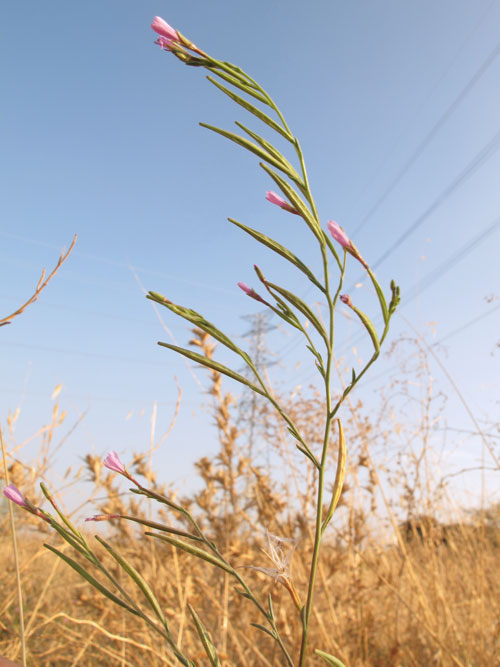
{"points": [[390, 593]]}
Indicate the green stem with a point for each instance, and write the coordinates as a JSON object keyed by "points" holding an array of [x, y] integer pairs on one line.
{"points": [[285, 416], [268, 616], [212, 547], [318, 533]]}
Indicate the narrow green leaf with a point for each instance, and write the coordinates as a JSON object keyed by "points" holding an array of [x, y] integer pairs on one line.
{"points": [[253, 110], [297, 202], [315, 353], [319, 360], [70, 539], [206, 640], [321, 370], [369, 327], [199, 321], [280, 250], [243, 593], [287, 315], [309, 455], [264, 629], [264, 155], [137, 578], [237, 69], [162, 527], [283, 310], [270, 605], [265, 144], [381, 296], [329, 659], [159, 498], [194, 551], [303, 308], [94, 582], [63, 518], [246, 87], [214, 365], [232, 70]]}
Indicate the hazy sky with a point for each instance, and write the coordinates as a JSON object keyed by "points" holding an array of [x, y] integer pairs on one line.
{"points": [[397, 108]]}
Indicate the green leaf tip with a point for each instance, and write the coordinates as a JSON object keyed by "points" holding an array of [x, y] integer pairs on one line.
{"points": [[329, 659]]}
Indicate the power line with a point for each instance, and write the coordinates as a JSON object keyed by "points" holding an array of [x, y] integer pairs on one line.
{"points": [[448, 264], [442, 269], [488, 150], [120, 264], [92, 398], [482, 156], [433, 276], [422, 105], [447, 336], [468, 324], [80, 353], [431, 134], [86, 311], [430, 279]]}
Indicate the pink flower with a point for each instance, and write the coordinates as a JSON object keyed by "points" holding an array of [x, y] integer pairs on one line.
{"points": [[341, 237], [112, 461], [338, 234], [164, 43], [279, 201], [246, 289], [252, 293], [13, 493], [161, 27]]}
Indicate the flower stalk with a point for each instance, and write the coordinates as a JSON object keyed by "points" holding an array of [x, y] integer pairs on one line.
{"points": [[290, 176], [296, 197]]}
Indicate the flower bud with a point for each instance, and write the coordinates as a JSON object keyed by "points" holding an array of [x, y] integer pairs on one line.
{"points": [[161, 27], [13, 494], [279, 201], [341, 237], [112, 462], [252, 293]]}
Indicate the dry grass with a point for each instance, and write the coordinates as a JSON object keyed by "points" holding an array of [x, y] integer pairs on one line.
{"points": [[376, 606], [386, 596]]}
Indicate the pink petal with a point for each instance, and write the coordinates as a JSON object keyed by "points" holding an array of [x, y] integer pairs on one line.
{"points": [[252, 293], [338, 234], [112, 461], [13, 493], [160, 26], [164, 43], [245, 288], [279, 201], [275, 198]]}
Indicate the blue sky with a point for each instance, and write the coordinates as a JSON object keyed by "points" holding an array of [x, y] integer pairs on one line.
{"points": [[396, 106]]}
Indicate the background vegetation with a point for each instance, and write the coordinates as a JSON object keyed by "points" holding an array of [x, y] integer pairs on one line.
{"points": [[407, 577]]}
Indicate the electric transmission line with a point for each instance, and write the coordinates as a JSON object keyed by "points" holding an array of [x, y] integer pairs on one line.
{"points": [[431, 134]]}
